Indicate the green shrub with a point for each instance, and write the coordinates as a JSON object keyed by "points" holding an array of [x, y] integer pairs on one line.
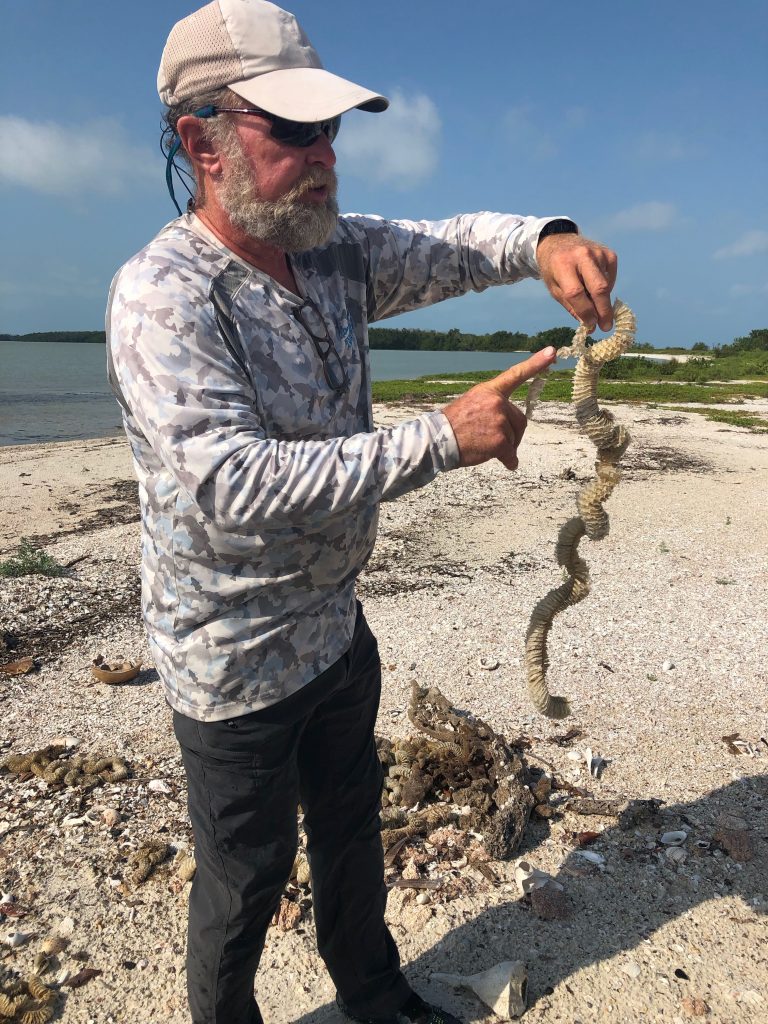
{"points": [[30, 561]]}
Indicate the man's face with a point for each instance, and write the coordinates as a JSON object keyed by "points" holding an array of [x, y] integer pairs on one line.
{"points": [[279, 194]]}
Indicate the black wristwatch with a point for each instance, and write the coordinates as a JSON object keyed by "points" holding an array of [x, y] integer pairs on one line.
{"points": [[558, 227]]}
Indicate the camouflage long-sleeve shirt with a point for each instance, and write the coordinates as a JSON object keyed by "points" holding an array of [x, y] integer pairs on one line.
{"points": [[259, 483]]}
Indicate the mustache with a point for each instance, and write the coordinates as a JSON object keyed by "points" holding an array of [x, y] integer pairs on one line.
{"points": [[319, 177]]}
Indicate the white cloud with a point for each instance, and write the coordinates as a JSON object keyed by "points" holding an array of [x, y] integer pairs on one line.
{"points": [[741, 290], [524, 131], [398, 147], [658, 147], [748, 245], [60, 159], [651, 216]]}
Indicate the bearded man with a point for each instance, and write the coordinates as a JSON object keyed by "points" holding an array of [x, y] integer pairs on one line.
{"points": [[238, 342]]}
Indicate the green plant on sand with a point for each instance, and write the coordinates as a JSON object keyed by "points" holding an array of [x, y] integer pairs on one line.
{"points": [[30, 561]]}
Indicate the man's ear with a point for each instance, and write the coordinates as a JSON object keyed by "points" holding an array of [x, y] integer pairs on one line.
{"points": [[201, 150]]}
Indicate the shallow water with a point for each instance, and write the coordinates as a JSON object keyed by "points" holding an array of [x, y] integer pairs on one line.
{"points": [[58, 391]]}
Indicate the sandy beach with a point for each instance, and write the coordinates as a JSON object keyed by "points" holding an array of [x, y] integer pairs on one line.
{"points": [[664, 663]]}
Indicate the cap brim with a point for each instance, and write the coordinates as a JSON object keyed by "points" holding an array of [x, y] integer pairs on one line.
{"points": [[307, 94]]}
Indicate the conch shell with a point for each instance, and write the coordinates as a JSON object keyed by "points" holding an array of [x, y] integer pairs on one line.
{"points": [[504, 988]]}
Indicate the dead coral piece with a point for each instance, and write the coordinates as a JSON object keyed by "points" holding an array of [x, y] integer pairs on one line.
{"points": [[736, 843], [550, 903], [288, 915], [460, 770]]}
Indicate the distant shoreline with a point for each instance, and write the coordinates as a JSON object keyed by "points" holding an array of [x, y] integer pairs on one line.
{"points": [[663, 354]]}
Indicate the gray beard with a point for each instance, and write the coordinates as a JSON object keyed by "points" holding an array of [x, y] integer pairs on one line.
{"points": [[287, 223]]}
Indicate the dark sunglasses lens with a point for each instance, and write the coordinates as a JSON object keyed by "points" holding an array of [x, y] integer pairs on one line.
{"points": [[313, 322], [331, 128], [303, 134], [334, 371]]}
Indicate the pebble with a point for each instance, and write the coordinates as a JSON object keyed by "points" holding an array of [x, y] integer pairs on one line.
{"points": [[632, 969]]}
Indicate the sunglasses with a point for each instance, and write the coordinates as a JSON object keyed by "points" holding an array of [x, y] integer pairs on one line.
{"points": [[292, 133], [312, 321]]}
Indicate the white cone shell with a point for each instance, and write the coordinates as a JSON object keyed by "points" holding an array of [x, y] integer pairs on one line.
{"points": [[503, 988]]}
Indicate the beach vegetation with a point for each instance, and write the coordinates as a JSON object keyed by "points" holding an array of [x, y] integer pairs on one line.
{"points": [[755, 424], [30, 560], [439, 386]]}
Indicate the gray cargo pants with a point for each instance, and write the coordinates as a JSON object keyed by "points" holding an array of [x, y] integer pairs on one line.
{"points": [[246, 777]]}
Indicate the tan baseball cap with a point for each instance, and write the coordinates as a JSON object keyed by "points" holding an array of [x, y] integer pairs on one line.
{"points": [[260, 52]]}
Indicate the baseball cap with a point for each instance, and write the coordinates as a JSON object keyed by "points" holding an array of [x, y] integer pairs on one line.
{"points": [[261, 53]]}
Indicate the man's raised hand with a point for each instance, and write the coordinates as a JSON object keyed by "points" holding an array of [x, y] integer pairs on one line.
{"points": [[485, 423], [580, 274]]}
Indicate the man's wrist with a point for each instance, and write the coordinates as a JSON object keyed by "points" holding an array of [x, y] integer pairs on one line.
{"points": [[561, 226]]}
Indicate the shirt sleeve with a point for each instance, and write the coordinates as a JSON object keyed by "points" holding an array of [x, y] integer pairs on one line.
{"points": [[417, 263], [198, 411]]}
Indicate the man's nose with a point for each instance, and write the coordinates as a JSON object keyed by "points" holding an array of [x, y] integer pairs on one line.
{"points": [[321, 152]]}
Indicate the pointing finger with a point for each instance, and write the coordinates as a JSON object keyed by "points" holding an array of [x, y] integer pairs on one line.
{"points": [[506, 382]]}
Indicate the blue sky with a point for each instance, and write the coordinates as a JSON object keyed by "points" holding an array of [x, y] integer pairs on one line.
{"points": [[644, 122]]}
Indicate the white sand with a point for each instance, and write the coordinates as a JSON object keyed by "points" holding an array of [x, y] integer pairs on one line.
{"points": [[681, 578]]}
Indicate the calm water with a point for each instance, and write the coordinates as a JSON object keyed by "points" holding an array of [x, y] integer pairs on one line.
{"points": [[57, 391]]}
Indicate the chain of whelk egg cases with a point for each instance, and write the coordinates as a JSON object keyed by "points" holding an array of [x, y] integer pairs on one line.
{"points": [[53, 766], [611, 440], [28, 1001]]}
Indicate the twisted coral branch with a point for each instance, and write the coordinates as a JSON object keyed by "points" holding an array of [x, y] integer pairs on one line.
{"points": [[611, 440]]}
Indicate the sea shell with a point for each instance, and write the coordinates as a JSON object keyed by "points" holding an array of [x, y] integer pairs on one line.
{"points": [[111, 817], [54, 945], [488, 664], [73, 820], [114, 672], [15, 939], [595, 763], [185, 865], [676, 854], [41, 962], [67, 742], [158, 786], [674, 838], [18, 668], [528, 877], [591, 856], [503, 988]]}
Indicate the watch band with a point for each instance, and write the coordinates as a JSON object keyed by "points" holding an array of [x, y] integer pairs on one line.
{"points": [[558, 227]]}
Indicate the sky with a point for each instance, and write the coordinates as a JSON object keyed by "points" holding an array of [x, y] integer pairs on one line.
{"points": [[643, 122]]}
